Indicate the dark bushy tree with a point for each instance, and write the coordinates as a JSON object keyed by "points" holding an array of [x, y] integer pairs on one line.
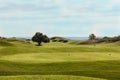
{"points": [[92, 38], [39, 38]]}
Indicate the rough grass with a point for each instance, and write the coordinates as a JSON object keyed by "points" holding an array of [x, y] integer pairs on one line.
{"points": [[61, 61]]}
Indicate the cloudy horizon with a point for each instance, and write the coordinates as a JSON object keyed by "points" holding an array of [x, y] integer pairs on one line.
{"points": [[59, 17]]}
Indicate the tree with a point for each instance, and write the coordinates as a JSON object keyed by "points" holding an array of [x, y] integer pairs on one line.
{"points": [[92, 38], [39, 38]]}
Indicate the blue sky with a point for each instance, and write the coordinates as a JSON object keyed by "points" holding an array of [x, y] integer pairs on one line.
{"points": [[59, 17]]}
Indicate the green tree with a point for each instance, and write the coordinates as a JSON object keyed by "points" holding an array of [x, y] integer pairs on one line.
{"points": [[92, 38], [39, 38]]}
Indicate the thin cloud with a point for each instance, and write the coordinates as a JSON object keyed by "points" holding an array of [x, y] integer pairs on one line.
{"points": [[72, 17]]}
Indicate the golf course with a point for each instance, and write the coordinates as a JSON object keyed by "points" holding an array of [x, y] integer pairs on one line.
{"points": [[59, 39], [20, 60]]}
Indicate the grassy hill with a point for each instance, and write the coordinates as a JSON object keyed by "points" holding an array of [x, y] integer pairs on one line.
{"points": [[20, 60]]}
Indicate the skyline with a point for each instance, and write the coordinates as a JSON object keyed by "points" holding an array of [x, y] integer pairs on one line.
{"points": [[70, 18]]}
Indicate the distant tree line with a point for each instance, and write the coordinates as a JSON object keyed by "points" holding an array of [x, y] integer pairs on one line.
{"points": [[109, 39], [93, 39], [40, 37], [2, 37]]}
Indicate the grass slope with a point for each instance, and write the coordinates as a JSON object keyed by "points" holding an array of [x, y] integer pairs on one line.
{"points": [[47, 77], [5, 43], [59, 61]]}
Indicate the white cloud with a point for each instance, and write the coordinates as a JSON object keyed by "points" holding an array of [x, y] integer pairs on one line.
{"points": [[92, 16]]}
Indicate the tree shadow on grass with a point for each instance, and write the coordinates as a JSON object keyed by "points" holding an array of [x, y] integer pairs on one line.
{"points": [[100, 69]]}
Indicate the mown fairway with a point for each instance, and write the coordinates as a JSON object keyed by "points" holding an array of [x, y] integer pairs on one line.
{"points": [[59, 61]]}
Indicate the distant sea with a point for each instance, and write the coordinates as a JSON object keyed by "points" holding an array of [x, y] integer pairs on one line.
{"points": [[81, 38], [72, 38]]}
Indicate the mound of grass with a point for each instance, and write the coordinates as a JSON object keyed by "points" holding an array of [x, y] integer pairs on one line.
{"points": [[76, 42], [59, 39], [15, 40], [5, 43]]}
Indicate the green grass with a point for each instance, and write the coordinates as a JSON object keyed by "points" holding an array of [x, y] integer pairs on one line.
{"points": [[5, 43], [59, 61], [60, 57], [48, 77]]}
